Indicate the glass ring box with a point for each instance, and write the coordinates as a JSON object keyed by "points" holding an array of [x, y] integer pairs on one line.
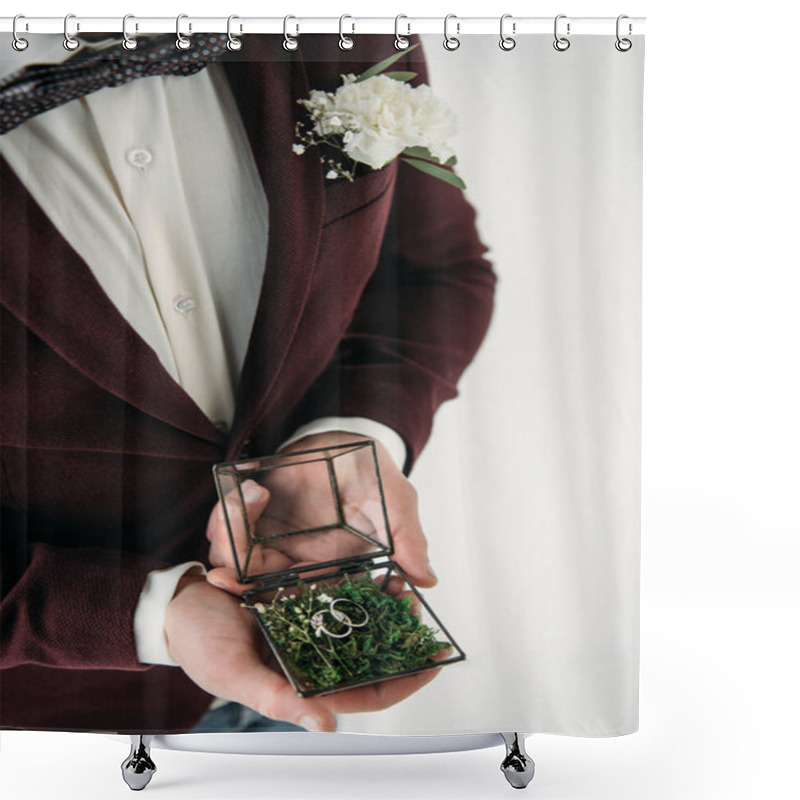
{"points": [[336, 611]]}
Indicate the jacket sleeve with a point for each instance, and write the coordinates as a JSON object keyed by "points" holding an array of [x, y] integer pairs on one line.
{"points": [[421, 317], [68, 607]]}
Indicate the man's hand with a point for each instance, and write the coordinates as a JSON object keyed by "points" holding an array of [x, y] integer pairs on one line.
{"points": [[301, 500], [219, 646]]}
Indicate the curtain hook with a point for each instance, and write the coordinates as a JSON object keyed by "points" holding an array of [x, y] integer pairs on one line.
{"points": [[561, 43], [451, 42], [623, 45], [289, 42], [346, 42], [18, 43], [401, 42], [233, 44], [70, 42], [182, 42], [129, 42], [507, 42]]}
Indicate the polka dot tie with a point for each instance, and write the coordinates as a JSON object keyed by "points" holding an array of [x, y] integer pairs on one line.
{"points": [[40, 87]]}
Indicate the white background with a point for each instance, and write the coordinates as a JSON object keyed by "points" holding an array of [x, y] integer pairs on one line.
{"points": [[720, 544]]}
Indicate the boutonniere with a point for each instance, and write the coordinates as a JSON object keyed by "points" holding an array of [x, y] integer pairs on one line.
{"points": [[376, 117]]}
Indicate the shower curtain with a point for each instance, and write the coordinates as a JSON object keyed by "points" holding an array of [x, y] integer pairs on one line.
{"points": [[266, 251]]}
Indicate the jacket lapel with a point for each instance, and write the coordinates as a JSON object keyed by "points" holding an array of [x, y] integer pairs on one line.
{"points": [[47, 285], [49, 288], [267, 86]]}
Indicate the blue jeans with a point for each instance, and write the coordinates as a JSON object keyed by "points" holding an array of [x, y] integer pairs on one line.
{"points": [[236, 718]]}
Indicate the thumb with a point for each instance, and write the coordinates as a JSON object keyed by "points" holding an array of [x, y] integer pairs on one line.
{"points": [[270, 694], [411, 546], [239, 520], [225, 578]]}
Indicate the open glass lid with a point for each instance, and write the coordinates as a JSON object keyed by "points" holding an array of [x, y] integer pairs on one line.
{"points": [[306, 510]]}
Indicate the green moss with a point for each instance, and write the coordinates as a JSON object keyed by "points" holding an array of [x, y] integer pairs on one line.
{"points": [[392, 641]]}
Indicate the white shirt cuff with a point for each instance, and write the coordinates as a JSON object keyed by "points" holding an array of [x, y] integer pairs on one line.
{"points": [[360, 426], [148, 619]]}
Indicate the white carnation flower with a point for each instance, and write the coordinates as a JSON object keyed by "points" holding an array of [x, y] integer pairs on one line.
{"points": [[374, 121], [386, 116]]}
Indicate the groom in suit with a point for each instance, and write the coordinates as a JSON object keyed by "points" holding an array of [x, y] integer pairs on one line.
{"points": [[180, 288]]}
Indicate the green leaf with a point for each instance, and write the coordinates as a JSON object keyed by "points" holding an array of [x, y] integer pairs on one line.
{"points": [[436, 171], [403, 77], [382, 65], [424, 153]]}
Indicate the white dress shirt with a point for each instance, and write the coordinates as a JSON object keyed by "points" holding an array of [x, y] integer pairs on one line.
{"points": [[154, 185]]}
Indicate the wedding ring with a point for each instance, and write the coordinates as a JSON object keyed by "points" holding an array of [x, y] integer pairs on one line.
{"points": [[340, 616], [345, 618], [319, 626]]}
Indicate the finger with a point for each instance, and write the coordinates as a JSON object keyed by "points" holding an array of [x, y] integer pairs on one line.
{"points": [[444, 653], [225, 578], [398, 588], [232, 503], [219, 531], [269, 693], [379, 696], [411, 546], [264, 562]]}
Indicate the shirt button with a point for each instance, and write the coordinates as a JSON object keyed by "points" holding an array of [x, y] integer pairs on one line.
{"points": [[139, 157], [221, 426], [184, 304]]}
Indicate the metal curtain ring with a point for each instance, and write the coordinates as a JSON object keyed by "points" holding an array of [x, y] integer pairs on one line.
{"points": [[401, 42], [233, 44], [561, 43], [623, 44], [289, 42], [70, 42], [128, 42], [344, 617], [18, 43], [182, 42], [346, 42], [507, 42], [451, 42]]}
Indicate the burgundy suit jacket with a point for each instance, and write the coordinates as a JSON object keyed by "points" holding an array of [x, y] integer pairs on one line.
{"points": [[375, 297]]}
